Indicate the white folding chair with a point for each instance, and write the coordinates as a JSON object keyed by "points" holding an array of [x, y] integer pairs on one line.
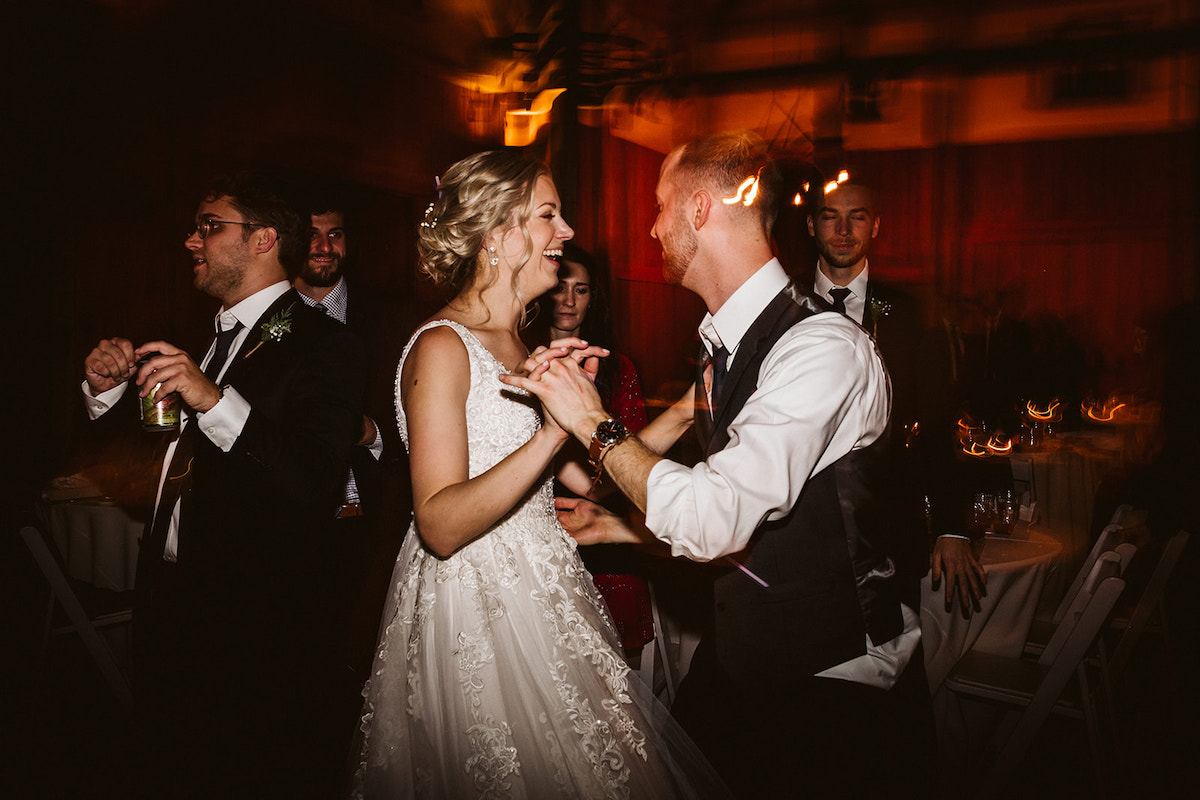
{"points": [[82, 623], [1037, 687], [1131, 626], [1108, 540], [1149, 603]]}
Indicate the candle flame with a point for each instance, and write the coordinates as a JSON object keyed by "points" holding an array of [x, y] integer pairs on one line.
{"points": [[976, 449], [1048, 414], [1102, 412], [998, 445]]}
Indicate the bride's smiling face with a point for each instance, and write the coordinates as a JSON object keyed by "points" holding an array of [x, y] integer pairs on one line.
{"points": [[547, 232]]}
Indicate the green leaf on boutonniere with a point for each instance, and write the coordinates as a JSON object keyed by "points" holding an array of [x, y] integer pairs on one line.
{"points": [[274, 329]]}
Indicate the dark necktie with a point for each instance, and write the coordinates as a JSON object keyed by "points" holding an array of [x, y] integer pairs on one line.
{"points": [[839, 299], [720, 371], [320, 307], [179, 475], [221, 353]]}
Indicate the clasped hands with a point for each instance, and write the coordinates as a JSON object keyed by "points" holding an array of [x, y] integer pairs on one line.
{"points": [[114, 361], [562, 376]]}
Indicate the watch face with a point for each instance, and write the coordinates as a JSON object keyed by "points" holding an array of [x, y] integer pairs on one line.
{"points": [[610, 431]]}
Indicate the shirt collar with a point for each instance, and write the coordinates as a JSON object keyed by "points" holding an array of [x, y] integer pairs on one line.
{"points": [[857, 287], [737, 314], [334, 302], [249, 310]]}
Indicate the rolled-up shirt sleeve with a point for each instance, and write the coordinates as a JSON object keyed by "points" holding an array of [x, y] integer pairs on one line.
{"points": [[822, 392]]}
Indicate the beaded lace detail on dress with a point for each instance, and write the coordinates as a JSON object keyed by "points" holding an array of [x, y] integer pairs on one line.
{"points": [[498, 673]]}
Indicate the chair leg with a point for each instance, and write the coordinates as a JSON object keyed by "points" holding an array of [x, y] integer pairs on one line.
{"points": [[663, 645], [99, 650], [646, 665], [1088, 698]]}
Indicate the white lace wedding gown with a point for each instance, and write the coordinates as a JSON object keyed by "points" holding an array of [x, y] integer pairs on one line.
{"points": [[498, 672]]}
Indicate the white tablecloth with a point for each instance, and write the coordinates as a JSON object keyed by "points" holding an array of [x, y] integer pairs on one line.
{"points": [[1066, 472], [1016, 571], [98, 539]]}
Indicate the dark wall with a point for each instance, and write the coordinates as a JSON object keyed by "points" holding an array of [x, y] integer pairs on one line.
{"points": [[116, 119]]}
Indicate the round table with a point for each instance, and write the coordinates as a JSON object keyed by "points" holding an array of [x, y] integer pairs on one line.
{"points": [[1016, 570], [97, 538]]}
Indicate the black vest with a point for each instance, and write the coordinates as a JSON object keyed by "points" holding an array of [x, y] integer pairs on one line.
{"points": [[831, 581]]}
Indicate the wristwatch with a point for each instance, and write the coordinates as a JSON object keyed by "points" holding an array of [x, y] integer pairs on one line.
{"points": [[608, 434]]}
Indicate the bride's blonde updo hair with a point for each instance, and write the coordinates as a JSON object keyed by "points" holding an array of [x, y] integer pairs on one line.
{"points": [[479, 194]]}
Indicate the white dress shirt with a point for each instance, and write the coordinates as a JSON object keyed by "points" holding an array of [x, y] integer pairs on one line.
{"points": [[222, 423], [856, 301], [822, 392]]}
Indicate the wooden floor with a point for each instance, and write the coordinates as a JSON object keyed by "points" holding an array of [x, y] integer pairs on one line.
{"points": [[64, 737]]}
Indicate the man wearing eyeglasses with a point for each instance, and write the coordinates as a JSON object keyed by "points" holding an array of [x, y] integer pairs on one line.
{"points": [[232, 624]]}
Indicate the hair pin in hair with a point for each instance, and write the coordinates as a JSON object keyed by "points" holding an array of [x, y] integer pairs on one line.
{"points": [[430, 220]]}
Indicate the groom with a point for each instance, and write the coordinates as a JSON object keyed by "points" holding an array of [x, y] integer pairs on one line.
{"points": [[802, 685], [232, 672]]}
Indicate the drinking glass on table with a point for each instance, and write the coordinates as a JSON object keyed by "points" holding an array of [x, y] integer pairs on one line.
{"points": [[1006, 513], [980, 514]]}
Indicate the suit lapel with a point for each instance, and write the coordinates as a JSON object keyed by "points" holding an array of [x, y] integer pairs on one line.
{"points": [[281, 311]]}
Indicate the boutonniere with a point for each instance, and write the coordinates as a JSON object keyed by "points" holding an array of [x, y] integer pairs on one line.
{"points": [[274, 329], [879, 309]]}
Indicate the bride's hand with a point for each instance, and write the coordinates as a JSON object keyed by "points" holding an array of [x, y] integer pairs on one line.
{"points": [[551, 428], [587, 356]]}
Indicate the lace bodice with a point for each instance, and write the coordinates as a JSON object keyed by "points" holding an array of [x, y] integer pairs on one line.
{"points": [[500, 419]]}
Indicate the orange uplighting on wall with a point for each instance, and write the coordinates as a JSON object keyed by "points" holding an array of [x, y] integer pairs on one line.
{"points": [[521, 126]]}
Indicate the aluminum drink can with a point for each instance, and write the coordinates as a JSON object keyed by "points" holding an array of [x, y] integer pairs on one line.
{"points": [[159, 411]]}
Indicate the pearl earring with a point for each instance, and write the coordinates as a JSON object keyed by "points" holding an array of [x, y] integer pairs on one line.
{"points": [[494, 260]]}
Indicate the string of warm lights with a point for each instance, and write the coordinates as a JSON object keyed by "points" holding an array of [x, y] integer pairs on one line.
{"points": [[842, 177]]}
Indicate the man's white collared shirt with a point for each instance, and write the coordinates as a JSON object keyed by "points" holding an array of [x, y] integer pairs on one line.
{"points": [[822, 392], [222, 423]]}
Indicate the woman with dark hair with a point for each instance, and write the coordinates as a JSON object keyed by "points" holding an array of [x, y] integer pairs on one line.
{"points": [[498, 672], [579, 307]]}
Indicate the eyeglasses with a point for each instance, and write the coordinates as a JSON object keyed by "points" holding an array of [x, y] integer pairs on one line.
{"points": [[205, 226]]}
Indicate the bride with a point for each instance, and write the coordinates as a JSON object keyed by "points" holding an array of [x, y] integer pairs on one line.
{"points": [[498, 672]]}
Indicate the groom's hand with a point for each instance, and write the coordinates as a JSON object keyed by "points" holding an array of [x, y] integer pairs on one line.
{"points": [[566, 392]]}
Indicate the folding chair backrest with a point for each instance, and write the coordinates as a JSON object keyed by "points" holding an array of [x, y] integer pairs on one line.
{"points": [[1151, 596], [1108, 565], [1107, 540], [1125, 552]]}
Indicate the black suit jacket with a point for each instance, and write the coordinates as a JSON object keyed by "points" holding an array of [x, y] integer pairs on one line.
{"points": [[234, 636], [383, 325], [918, 363]]}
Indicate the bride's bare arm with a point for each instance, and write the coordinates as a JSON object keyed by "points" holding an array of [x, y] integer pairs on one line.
{"points": [[451, 508]]}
